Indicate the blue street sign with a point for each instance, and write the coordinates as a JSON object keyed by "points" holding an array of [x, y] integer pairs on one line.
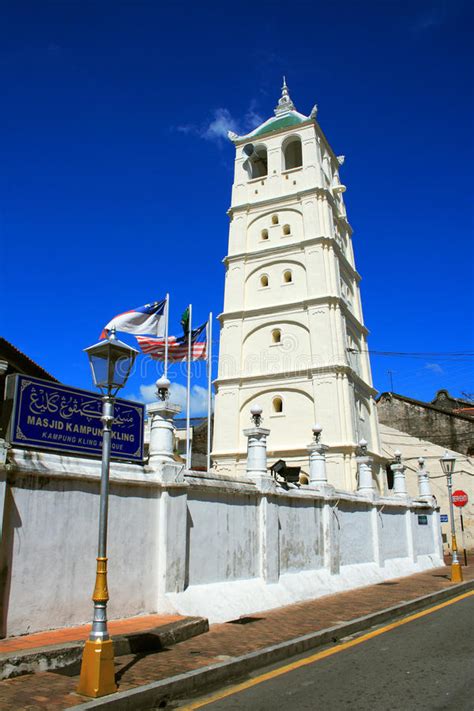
{"points": [[48, 415], [443, 518]]}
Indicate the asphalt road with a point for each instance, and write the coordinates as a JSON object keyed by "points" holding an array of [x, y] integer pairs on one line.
{"points": [[427, 663]]}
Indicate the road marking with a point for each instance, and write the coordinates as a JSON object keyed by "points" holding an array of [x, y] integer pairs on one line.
{"points": [[319, 655]]}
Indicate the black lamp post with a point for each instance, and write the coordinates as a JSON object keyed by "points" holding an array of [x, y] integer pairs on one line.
{"points": [[111, 362], [447, 462]]}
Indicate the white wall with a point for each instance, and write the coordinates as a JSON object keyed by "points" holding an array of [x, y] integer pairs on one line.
{"points": [[393, 534], [356, 540], [194, 543], [301, 544], [223, 537]]}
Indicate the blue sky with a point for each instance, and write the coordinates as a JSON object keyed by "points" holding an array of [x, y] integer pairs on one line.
{"points": [[116, 177]]}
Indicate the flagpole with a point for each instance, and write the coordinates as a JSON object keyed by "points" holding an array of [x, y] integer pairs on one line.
{"points": [[209, 385], [167, 314], [188, 391]]}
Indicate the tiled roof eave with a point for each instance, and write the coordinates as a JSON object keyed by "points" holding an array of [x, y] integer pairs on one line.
{"points": [[250, 137]]}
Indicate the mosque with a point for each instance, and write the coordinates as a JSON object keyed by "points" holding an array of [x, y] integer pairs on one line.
{"points": [[293, 337]]}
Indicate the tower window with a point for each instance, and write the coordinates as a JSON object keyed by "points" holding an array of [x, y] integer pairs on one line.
{"points": [[264, 234], [276, 335], [274, 219], [286, 230], [256, 164], [277, 404], [287, 276], [264, 280], [292, 154]]}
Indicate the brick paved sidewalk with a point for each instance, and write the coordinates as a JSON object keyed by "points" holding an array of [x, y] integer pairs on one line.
{"points": [[56, 689], [74, 634]]}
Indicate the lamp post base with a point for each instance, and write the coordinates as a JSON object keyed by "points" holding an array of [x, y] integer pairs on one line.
{"points": [[97, 669], [456, 573]]}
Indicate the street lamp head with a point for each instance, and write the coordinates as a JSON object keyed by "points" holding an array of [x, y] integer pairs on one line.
{"points": [[398, 456], [111, 362], [363, 446], [421, 462], [447, 462], [317, 430]]}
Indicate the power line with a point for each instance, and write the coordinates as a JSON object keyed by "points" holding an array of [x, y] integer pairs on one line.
{"points": [[416, 354]]}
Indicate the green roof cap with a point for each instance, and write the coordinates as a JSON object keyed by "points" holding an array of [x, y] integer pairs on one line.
{"points": [[278, 123]]}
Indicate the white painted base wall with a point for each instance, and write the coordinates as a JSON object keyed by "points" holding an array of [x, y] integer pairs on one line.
{"points": [[220, 602], [190, 543]]}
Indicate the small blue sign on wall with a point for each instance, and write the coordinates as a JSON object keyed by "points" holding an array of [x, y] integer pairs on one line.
{"points": [[48, 415], [443, 518]]}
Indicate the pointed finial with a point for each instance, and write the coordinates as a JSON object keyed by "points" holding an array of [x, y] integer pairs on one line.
{"points": [[285, 103]]}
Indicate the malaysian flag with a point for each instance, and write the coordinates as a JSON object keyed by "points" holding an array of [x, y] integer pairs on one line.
{"points": [[177, 347]]}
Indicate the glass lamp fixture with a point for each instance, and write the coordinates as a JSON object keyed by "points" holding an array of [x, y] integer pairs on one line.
{"points": [[111, 362], [447, 462]]}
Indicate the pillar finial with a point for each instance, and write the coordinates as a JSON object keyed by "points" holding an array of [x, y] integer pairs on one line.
{"points": [[162, 388], [256, 412]]}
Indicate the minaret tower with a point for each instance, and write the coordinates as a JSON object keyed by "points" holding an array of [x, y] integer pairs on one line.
{"points": [[292, 332]]}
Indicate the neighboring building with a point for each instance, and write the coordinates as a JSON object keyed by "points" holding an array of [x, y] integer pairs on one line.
{"points": [[445, 401], [293, 337], [444, 423], [412, 448], [198, 436], [12, 360]]}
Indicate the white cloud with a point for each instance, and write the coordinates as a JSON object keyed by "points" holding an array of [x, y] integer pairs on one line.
{"points": [[221, 122], [178, 397], [220, 125], [434, 367]]}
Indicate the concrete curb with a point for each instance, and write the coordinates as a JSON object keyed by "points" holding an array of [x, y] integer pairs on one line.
{"points": [[59, 656], [150, 695]]}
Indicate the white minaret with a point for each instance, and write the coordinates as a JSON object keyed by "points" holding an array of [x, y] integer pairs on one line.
{"points": [[292, 331]]}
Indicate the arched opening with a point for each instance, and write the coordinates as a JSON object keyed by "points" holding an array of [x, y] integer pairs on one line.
{"points": [[274, 219], [293, 154], [277, 404], [256, 164], [264, 280], [276, 335], [264, 234], [287, 276], [286, 230]]}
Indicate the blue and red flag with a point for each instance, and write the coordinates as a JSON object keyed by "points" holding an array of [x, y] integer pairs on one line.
{"points": [[148, 319]]}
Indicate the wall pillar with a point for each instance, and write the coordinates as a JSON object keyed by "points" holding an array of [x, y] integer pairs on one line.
{"points": [[269, 539], [161, 414], [257, 453], [365, 483], [376, 540], [331, 537], [424, 487], [318, 477], [399, 482], [172, 542], [410, 535]]}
